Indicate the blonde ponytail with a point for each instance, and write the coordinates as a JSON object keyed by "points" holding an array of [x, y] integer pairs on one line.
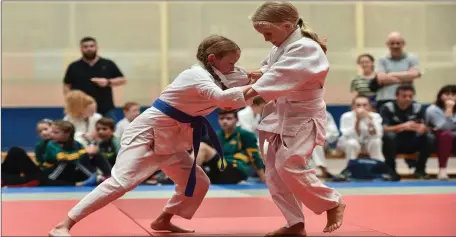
{"points": [[309, 33]]}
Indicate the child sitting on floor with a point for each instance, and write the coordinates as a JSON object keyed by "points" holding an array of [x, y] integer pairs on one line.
{"points": [[108, 144], [66, 159]]}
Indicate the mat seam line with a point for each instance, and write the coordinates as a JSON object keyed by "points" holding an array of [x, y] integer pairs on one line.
{"points": [[370, 228], [131, 218]]}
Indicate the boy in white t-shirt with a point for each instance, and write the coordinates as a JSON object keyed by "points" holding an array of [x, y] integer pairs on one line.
{"points": [[131, 110]]}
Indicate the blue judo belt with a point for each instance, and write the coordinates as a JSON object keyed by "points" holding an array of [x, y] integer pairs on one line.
{"points": [[197, 123]]}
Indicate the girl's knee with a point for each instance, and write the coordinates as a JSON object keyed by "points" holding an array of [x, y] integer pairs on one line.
{"points": [[16, 149], [445, 135], [377, 142], [118, 186], [13, 151], [295, 163], [352, 144]]}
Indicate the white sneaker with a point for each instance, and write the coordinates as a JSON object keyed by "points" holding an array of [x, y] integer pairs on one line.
{"points": [[443, 175]]}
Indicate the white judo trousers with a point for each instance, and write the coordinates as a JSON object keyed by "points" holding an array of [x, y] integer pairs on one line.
{"points": [[353, 147], [135, 163], [290, 179]]}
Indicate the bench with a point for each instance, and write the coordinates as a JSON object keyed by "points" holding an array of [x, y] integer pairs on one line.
{"points": [[341, 155]]}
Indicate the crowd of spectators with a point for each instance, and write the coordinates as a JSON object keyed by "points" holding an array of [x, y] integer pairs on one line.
{"points": [[385, 120]]}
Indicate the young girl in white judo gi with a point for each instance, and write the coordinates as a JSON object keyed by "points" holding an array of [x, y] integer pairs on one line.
{"points": [[291, 80], [160, 137]]}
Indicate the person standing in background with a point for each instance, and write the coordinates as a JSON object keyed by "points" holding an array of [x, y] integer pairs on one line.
{"points": [[360, 85], [95, 76], [395, 69]]}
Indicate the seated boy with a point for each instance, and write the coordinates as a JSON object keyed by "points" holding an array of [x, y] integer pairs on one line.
{"points": [[240, 150], [108, 144]]}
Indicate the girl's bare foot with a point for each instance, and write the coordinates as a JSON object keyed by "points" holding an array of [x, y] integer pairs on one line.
{"points": [[295, 230], [335, 218], [63, 228], [163, 223], [59, 232]]}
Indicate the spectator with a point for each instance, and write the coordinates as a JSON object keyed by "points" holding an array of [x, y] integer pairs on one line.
{"points": [[19, 170], [131, 110], [250, 116], [108, 144], [240, 150], [80, 111], [44, 129], [360, 84], [66, 159], [405, 131], [95, 76], [361, 130], [441, 116], [396, 69], [318, 154]]}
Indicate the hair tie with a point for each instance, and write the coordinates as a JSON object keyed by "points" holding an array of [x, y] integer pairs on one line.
{"points": [[300, 22]]}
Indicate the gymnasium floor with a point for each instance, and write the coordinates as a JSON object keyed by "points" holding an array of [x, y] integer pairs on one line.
{"points": [[373, 209]]}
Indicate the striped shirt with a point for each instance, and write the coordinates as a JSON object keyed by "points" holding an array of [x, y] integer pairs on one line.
{"points": [[361, 85]]}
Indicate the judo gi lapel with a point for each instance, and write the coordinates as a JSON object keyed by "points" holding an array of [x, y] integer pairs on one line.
{"points": [[278, 51]]}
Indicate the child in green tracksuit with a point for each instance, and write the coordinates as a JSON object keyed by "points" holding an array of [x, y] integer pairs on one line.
{"points": [[66, 159], [240, 150], [108, 144], [60, 161]]}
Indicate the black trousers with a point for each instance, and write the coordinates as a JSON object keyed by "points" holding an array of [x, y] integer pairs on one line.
{"points": [[406, 142], [18, 169], [82, 170], [105, 165], [230, 175]]}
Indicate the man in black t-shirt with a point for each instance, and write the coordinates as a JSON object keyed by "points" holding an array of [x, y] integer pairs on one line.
{"points": [[95, 76], [405, 131]]}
